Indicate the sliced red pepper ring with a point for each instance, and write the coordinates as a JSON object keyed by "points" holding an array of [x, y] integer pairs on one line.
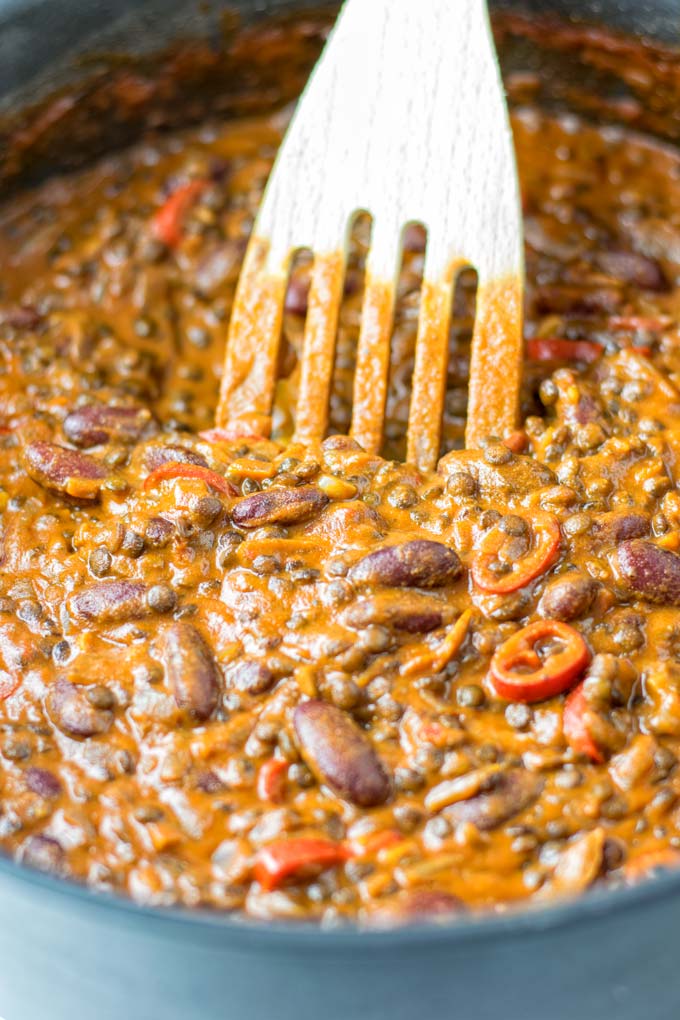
{"points": [[555, 348], [297, 859], [575, 724], [167, 222], [545, 548], [523, 670], [177, 469]]}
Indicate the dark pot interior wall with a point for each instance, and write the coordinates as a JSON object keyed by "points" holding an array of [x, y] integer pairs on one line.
{"points": [[37, 34], [654, 18], [52, 44]]}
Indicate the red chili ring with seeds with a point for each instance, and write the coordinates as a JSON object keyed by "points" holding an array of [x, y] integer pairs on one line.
{"points": [[546, 540], [539, 661]]}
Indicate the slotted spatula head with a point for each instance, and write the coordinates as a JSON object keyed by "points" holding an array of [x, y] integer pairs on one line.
{"points": [[404, 117]]}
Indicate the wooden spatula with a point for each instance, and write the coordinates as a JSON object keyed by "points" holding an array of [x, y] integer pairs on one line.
{"points": [[403, 117]]}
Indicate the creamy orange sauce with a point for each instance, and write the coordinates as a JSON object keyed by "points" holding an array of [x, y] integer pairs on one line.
{"points": [[161, 631]]}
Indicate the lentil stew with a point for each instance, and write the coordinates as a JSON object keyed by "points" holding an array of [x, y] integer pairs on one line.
{"points": [[308, 682]]}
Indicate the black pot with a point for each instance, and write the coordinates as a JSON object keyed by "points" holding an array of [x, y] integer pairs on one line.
{"points": [[69, 954]]}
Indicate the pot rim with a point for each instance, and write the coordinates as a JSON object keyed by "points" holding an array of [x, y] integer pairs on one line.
{"points": [[180, 921]]}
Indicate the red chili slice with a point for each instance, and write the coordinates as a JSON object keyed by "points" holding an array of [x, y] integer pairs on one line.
{"points": [[545, 549], [520, 673], [167, 222], [271, 779], [175, 469], [296, 858], [554, 348], [576, 727]]}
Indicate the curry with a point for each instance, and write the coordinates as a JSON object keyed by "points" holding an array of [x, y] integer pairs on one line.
{"points": [[303, 681]]}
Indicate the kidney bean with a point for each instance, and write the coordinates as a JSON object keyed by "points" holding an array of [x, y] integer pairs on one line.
{"points": [[192, 672], [98, 423], [44, 853], [506, 794], [154, 456], [619, 526], [417, 564], [209, 782], [43, 782], [649, 571], [584, 411], [111, 601], [73, 713], [20, 317], [278, 506], [415, 905], [220, 264], [631, 267], [413, 613], [569, 300], [568, 597], [252, 677], [297, 295], [339, 754], [66, 471]]}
